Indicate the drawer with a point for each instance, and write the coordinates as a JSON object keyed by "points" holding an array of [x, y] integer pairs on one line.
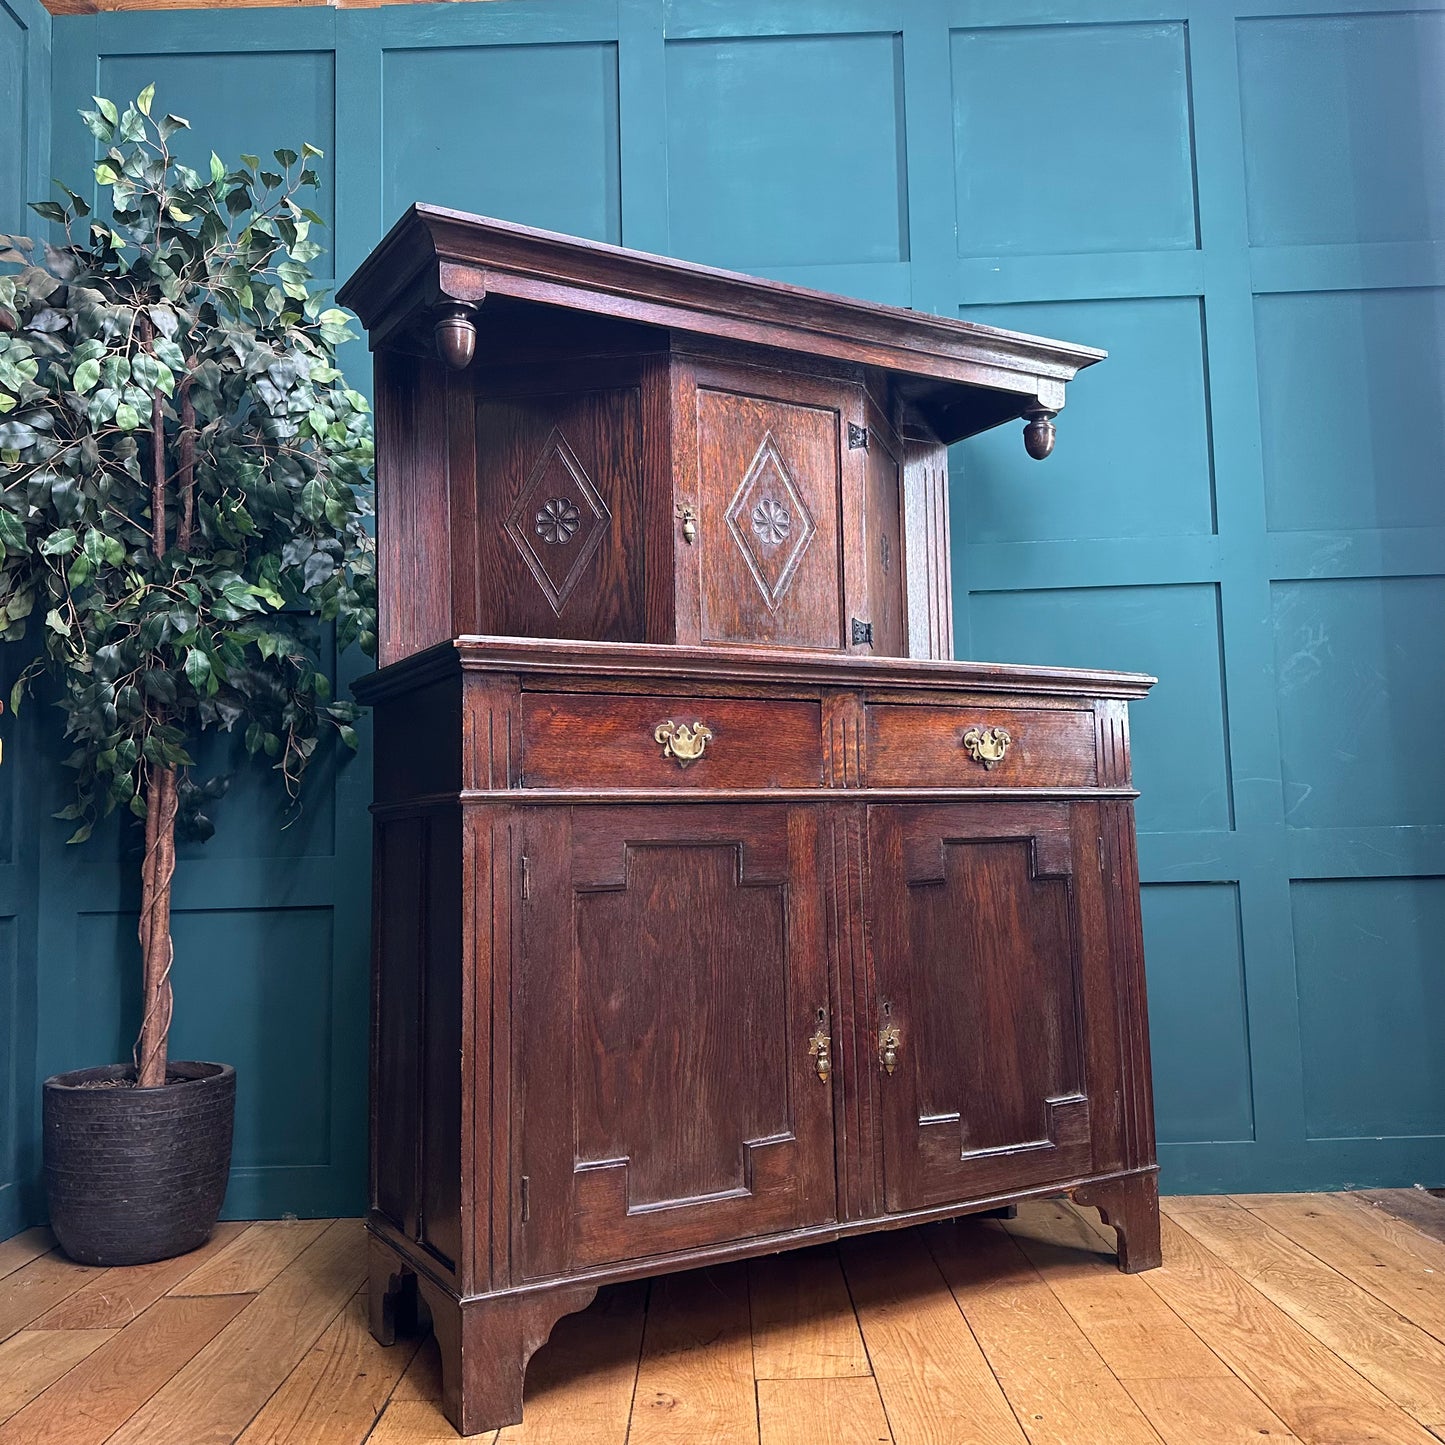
{"points": [[611, 740], [923, 746]]}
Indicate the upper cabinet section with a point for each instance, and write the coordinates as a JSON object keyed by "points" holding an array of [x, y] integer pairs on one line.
{"points": [[580, 441]]}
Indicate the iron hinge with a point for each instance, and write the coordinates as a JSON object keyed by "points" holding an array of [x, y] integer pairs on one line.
{"points": [[857, 437], [862, 633], [526, 1199]]}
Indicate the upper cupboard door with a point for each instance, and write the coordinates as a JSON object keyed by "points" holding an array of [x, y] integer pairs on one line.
{"points": [[769, 503], [674, 983], [987, 946]]}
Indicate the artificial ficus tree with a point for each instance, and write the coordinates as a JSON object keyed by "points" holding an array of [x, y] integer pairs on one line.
{"points": [[184, 487]]}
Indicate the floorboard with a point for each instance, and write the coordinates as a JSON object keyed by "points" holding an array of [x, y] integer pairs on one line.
{"points": [[1297, 1319]]}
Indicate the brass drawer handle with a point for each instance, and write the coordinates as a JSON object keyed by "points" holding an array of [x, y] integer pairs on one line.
{"points": [[888, 1041], [682, 742], [987, 745]]}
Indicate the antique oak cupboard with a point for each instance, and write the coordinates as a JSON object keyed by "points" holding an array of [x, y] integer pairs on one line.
{"points": [[716, 910]]}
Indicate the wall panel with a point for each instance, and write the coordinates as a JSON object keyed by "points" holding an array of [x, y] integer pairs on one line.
{"points": [[532, 134], [786, 150], [25, 38], [1098, 113], [1344, 121], [1243, 203]]}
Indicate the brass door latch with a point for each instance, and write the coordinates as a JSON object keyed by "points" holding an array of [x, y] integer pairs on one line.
{"points": [[888, 1041], [820, 1049]]}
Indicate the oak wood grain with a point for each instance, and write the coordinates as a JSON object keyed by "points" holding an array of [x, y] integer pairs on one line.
{"points": [[338, 1389], [802, 1318], [117, 1296], [21, 1248], [33, 1360], [578, 740], [695, 1379], [1208, 1411], [1136, 1333], [1390, 1259], [39, 1286], [1059, 1387], [419, 1422], [935, 1382], [1426, 1212], [835, 1411], [107, 1387], [1407, 1364], [249, 1262], [212, 1399], [1322, 1399], [924, 746]]}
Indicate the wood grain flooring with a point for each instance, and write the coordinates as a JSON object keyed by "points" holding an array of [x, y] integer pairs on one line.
{"points": [[1307, 1318]]}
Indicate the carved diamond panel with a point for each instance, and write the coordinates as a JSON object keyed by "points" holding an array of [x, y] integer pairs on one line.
{"points": [[769, 522], [558, 521]]}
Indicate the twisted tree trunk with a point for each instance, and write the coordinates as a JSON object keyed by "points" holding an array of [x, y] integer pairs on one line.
{"points": [[157, 950], [159, 864]]}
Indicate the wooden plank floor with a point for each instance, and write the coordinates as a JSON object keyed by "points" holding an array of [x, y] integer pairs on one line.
{"points": [[1307, 1318]]}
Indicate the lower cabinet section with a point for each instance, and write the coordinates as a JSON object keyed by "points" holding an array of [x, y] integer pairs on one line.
{"points": [[696, 1030], [671, 980], [984, 968]]}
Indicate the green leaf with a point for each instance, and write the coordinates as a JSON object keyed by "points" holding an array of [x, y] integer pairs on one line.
{"points": [[81, 833], [86, 376], [107, 109], [106, 173], [17, 694], [143, 100], [198, 668], [170, 124], [59, 544], [56, 623], [126, 417]]}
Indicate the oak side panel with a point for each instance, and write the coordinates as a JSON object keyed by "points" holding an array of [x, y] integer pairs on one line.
{"points": [[398, 942], [927, 566], [413, 518]]}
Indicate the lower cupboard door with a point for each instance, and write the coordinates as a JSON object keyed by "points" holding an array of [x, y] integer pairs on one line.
{"points": [[984, 953], [673, 989]]}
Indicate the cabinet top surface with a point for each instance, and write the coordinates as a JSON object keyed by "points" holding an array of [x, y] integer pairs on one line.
{"points": [[433, 256], [643, 665]]}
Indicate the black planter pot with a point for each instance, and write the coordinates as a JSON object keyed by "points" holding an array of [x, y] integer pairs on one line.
{"points": [[135, 1175]]}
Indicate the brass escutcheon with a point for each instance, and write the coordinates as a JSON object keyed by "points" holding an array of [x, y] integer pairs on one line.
{"points": [[987, 745], [683, 742]]}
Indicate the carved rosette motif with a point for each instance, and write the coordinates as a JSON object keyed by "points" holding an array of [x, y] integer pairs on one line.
{"points": [[558, 520], [769, 522]]}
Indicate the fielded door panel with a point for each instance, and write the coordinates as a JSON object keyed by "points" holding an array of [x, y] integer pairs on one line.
{"points": [[673, 977], [768, 532], [979, 951]]}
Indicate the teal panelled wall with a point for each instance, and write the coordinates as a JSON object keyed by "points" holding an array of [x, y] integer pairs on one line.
{"points": [[24, 157], [1237, 200]]}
